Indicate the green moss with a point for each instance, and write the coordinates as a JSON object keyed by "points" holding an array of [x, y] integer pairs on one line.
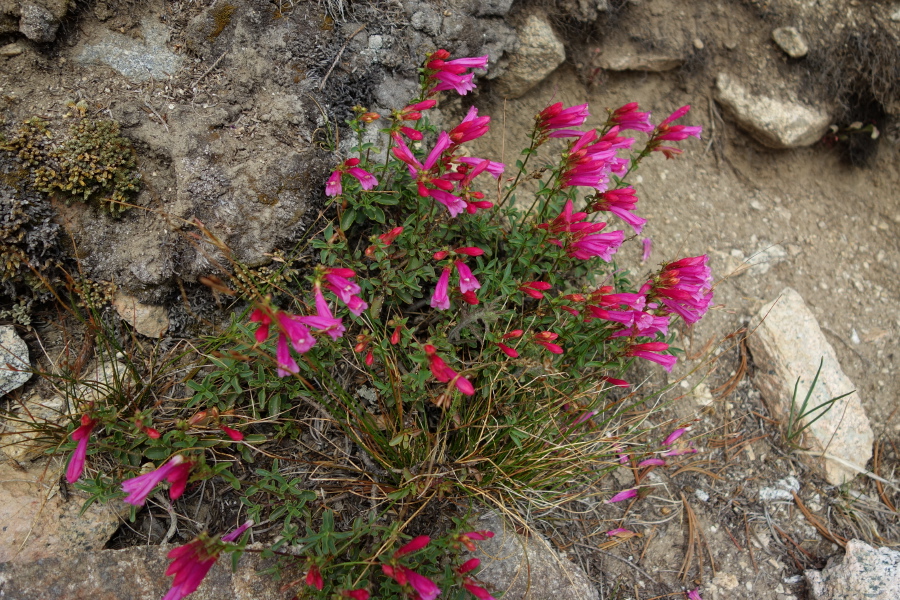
{"points": [[221, 19]]}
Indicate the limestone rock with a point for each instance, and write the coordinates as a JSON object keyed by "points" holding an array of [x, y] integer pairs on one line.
{"points": [[774, 122], [23, 436], [518, 565], [15, 368], [539, 52], [40, 522], [133, 574], [788, 344], [152, 321], [629, 57], [493, 8], [864, 572], [137, 59], [791, 41], [11, 50]]}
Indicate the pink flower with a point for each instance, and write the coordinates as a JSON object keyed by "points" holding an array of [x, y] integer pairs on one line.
{"points": [[476, 590], [234, 434], [665, 131], [82, 435], [471, 127], [679, 452], [469, 565], [647, 243], [440, 300], [616, 532], [314, 578], [467, 281], [359, 594], [454, 204], [535, 289], [286, 363], [333, 185], [450, 74], [175, 471], [649, 351], [684, 287], [344, 289], [323, 320], [467, 539], [414, 545], [445, 374], [426, 588], [628, 117], [557, 117], [510, 352], [651, 462], [670, 439], [192, 561], [388, 238], [262, 317], [545, 339], [593, 244], [411, 133], [366, 180], [470, 251], [494, 168], [291, 326], [616, 382], [620, 202], [694, 594], [623, 495]]}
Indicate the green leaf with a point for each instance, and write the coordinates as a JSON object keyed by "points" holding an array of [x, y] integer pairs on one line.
{"points": [[348, 218]]}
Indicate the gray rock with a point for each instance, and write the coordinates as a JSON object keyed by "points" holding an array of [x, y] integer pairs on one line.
{"points": [[493, 8], [40, 522], [539, 52], [781, 491], [427, 19], [788, 344], [15, 366], [152, 321], [134, 574], [864, 572], [37, 23], [528, 567], [791, 41], [137, 59], [774, 122]]}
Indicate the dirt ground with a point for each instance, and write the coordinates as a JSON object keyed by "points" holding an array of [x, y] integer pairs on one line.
{"points": [[805, 218]]}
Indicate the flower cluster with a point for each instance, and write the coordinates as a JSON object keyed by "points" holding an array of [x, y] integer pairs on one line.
{"points": [[443, 74], [192, 561]]}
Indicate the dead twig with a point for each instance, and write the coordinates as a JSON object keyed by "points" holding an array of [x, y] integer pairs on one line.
{"points": [[209, 70], [833, 537], [876, 466]]}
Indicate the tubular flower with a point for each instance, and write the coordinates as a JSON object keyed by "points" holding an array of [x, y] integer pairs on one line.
{"points": [[616, 382], [684, 287], [323, 320], [476, 590], [264, 320], [467, 539], [445, 374], [651, 462], [494, 168], [470, 128], [647, 245], [175, 471], [234, 434], [628, 117], [359, 594], [587, 163], [694, 594], [535, 289], [440, 300], [546, 339], [344, 289], [413, 545], [467, 281], [620, 202], [510, 352], [192, 561], [623, 495], [556, 117], [584, 239], [82, 435], [649, 351], [665, 131], [670, 439], [470, 251], [446, 74], [366, 180], [314, 578]]}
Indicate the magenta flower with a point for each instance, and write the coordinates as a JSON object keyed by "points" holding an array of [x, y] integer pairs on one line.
{"points": [[510, 352], [286, 363], [413, 545], [557, 117], [81, 435], [314, 578], [192, 561], [426, 588], [339, 284], [694, 594], [647, 243], [546, 339], [175, 471], [649, 351], [651, 462], [494, 168], [535, 289], [440, 300], [679, 452], [623, 495], [445, 374], [476, 590], [616, 382], [670, 439], [472, 127], [665, 131], [411, 133], [592, 244], [620, 202], [467, 539], [628, 117], [323, 320], [467, 281], [454, 204], [291, 326], [333, 185], [264, 319], [619, 531], [684, 287], [446, 74], [366, 180]]}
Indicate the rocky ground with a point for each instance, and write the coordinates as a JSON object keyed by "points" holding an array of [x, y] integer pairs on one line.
{"points": [[792, 186]]}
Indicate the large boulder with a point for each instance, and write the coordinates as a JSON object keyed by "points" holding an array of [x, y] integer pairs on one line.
{"points": [[538, 54], [864, 572]]}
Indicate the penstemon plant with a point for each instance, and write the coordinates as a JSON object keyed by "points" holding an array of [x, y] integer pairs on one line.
{"points": [[489, 318]]}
